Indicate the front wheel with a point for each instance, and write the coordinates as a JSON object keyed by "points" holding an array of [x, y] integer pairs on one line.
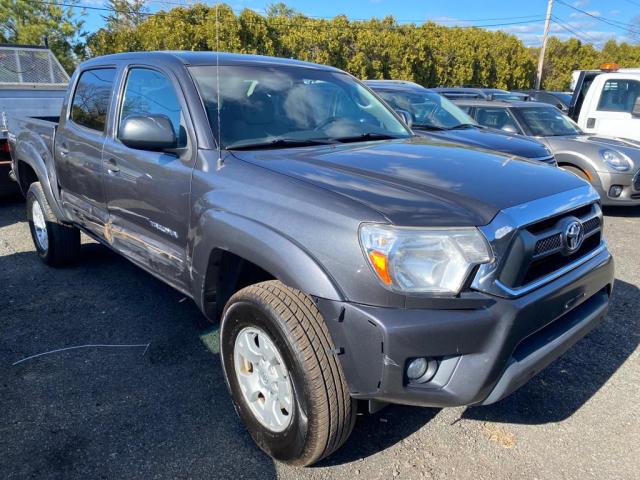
{"points": [[57, 244], [286, 385]]}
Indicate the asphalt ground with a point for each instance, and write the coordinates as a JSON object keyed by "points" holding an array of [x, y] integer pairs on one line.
{"points": [[159, 408]]}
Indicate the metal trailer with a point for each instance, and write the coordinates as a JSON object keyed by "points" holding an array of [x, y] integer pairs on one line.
{"points": [[32, 83]]}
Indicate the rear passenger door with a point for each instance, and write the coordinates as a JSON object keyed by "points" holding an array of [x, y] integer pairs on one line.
{"points": [[148, 192], [78, 148]]}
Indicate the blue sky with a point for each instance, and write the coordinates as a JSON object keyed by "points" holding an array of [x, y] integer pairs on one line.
{"points": [[604, 19]]}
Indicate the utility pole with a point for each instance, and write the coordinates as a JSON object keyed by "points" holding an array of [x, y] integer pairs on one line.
{"points": [[545, 37]]}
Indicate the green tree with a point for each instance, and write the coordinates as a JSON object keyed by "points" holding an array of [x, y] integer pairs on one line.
{"points": [[125, 13], [26, 22]]}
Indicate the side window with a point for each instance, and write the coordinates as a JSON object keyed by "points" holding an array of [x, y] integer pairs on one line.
{"points": [[465, 108], [90, 102], [619, 95], [148, 92], [498, 118]]}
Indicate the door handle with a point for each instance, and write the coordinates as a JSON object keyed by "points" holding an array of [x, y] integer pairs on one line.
{"points": [[591, 122], [112, 166]]}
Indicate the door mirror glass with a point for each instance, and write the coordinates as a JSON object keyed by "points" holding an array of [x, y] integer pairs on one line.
{"points": [[406, 117], [148, 132]]}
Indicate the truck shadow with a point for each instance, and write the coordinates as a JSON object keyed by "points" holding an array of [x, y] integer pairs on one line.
{"points": [[164, 411], [552, 396], [120, 412], [630, 212], [13, 209], [568, 383]]}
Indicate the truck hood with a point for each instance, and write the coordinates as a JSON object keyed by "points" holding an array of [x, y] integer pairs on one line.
{"points": [[491, 140], [419, 181]]}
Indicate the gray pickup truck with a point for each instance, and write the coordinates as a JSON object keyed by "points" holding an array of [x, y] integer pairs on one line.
{"points": [[347, 260]]}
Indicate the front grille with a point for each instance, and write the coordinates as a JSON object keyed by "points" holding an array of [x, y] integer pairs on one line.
{"points": [[636, 181], [591, 225], [540, 248], [548, 244], [546, 265]]}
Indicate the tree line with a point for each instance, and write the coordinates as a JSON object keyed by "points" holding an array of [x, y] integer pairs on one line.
{"points": [[429, 54]]}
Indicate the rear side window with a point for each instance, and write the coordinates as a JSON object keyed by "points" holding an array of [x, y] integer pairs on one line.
{"points": [[91, 99], [619, 95], [148, 92]]}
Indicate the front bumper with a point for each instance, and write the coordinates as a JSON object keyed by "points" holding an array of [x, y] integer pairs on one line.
{"points": [[630, 193], [486, 347]]}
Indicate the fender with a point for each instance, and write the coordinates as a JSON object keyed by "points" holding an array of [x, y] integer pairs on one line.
{"points": [[33, 151], [580, 161], [258, 243]]}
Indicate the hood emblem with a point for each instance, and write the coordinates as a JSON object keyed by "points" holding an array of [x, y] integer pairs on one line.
{"points": [[573, 236]]}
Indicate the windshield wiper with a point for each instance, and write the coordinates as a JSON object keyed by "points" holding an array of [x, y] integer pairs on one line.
{"points": [[424, 126], [279, 143], [363, 137], [462, 126]]}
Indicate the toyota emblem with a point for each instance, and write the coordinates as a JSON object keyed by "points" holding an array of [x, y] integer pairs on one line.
{"points": [[573, 236]]}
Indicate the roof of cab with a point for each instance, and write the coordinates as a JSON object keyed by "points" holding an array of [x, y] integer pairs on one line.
{"points": [[205, 58]]}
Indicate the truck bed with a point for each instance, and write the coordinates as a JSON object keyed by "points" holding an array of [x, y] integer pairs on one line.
{"points": [[38, 102]]}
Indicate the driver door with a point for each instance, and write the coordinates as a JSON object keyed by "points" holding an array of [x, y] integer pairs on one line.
{"points": [[148, 192]]}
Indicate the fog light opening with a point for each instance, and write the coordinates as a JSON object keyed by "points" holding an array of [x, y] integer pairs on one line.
{"points": [[615, 191], [421, 370]]}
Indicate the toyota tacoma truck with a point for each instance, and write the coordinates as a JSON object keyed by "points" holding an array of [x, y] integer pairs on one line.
{"points": [[348, 261]]}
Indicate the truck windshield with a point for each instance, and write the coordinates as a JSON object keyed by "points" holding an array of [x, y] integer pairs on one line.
{"points": [[280, 107], [546, 121], [428, 110]]}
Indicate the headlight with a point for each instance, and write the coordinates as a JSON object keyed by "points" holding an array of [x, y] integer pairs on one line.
{"points": [[423, 260], [615, 160]]}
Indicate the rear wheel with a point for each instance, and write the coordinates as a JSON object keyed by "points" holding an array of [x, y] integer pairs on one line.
{"points": [[57, 244], [286, 386]]}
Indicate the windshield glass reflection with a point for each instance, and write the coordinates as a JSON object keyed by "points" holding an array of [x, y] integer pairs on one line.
{"points": [[279, 107]]}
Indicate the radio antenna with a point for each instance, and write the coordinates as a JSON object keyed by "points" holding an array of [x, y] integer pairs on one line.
{"points": [[219, 139]]}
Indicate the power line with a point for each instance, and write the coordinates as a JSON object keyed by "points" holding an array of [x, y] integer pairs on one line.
{"points": [[416, 21], [581, 36], [600, 19], [633, 3], [354, 24]]}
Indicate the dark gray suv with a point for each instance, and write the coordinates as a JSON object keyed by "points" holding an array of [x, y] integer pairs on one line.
{"points": [[346, 259]]}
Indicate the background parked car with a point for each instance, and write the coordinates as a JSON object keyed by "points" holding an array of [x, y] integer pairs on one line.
{"points": [[453, 93], [434, 116], [560, 100], [611, 165]]}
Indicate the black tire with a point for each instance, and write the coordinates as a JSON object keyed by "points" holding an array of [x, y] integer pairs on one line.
{"points": [[62, 241], [324, 413]]}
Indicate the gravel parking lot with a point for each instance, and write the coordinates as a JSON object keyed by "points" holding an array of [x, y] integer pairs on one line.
{"points": [[160, 409]]}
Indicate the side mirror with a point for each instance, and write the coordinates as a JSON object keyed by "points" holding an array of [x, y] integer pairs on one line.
{"points": [[509, 129], [636, 108], [148, 132], [406, 116]]}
